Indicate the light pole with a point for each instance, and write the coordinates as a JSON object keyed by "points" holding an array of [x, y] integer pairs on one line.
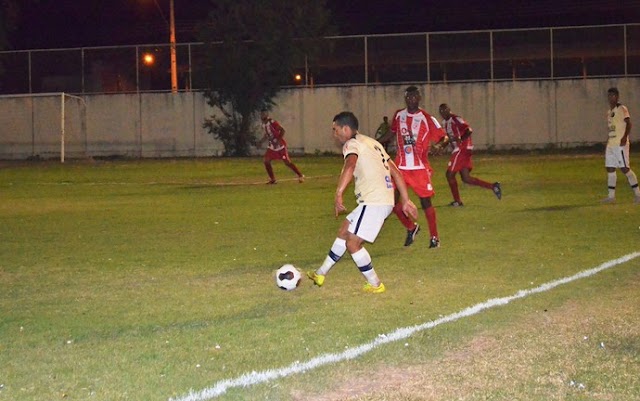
{"points": [[172, 42]]}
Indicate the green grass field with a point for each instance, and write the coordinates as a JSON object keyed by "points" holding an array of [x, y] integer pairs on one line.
{"points": [[142, 280]]}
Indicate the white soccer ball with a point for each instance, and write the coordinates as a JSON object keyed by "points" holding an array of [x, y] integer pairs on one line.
{"points": [[288, 277]]}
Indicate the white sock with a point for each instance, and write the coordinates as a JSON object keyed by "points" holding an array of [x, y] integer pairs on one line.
{"points": [[338, 249], [633, 181], [611, 183], [362, 259]]}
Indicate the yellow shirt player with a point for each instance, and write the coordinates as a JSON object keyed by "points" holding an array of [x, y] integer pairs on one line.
{"points": [[373, 185], [617, 152], [368, 164]]}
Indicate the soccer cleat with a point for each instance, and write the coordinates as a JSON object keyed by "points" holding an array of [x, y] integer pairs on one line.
{"points": [[497, 190], [271, 182], [637, 199], [411, 235], [609, 199], [374, 290], [301, 179], [434, 243], [318, 279], [456, 204]]}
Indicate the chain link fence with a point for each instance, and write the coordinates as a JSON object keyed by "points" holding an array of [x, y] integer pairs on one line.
{"points": [[492, 55]]}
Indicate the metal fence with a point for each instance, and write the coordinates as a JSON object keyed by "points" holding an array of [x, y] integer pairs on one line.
{"points": [[492, 55]]}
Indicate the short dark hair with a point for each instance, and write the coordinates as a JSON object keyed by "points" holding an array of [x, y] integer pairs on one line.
{"points": [[346, 118], [614, 90], [411, 89]]}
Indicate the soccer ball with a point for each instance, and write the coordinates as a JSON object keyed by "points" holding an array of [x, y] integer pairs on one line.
{"points": [[288, 277]]}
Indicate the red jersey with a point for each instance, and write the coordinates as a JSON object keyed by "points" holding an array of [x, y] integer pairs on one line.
{"points": [[274, 133], [414, 132], [455, 127]]}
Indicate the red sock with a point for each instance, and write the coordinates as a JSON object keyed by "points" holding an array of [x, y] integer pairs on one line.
{"points": [[479, 182], [431, 220], [453, 185], [406, 221]]}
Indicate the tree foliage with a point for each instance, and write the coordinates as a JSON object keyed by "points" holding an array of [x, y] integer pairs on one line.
{"points": [[251, 49]]}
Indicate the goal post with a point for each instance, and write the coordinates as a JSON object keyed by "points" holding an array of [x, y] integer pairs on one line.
{"points": [[36, 122], [83, 115]]}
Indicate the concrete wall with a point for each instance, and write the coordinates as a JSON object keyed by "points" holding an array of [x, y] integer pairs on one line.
{"points": [[522, 114]]}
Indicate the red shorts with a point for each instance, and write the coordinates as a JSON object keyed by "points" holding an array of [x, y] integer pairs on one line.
{"points": [[419, 181], [281, 154], [459, 161]]}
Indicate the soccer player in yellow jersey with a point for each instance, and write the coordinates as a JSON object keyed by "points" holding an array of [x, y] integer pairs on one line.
{"points": [[375, 174], [617, 153]]}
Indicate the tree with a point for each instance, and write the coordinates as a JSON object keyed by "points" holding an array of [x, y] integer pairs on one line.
{"points": [[251, 48]]}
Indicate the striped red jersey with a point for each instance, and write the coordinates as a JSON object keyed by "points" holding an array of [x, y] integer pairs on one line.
{"points": [[455, 126], [414, 132], [274, 134]]}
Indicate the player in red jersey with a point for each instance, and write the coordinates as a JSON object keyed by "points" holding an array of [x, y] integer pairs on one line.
{"points": [[277, 146], [415, 129], [459, 136]]}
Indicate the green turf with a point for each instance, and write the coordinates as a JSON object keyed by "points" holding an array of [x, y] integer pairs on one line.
{"points": [[140, 280]]}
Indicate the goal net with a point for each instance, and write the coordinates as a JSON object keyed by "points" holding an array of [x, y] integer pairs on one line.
{"points": [[43, 126]]}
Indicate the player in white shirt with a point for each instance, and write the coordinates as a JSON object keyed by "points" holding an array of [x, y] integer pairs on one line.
{"points": [[617, 152], [368, 164]]}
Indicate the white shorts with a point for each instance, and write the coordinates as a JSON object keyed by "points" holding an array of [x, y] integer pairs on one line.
{"points": [[366, 221], [617, 156]]}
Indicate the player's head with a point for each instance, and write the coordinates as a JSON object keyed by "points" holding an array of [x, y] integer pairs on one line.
{"points": [[412, 98], [445, 111], [345, 126], [264, 114], [613, 95]]}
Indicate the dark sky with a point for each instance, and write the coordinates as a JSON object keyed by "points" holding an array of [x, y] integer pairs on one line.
{"points": [[78, 23]]}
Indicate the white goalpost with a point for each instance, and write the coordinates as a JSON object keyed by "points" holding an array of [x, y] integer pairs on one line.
{"points": [[34, 123], [62, 120]]}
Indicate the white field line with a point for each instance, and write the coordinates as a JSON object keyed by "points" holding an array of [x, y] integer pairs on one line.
{"points": [[249, 379]]}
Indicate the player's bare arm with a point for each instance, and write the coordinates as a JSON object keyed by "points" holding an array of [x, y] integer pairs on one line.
{"points": [[466, 134], [627, 130], [408, 207], [343, 182]]}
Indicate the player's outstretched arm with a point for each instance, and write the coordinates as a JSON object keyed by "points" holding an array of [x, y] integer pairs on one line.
{"points": [[408, 207]]}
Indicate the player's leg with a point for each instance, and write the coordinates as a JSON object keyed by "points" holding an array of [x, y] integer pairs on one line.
{"points": [[413, 228], [453, 186], [287, 161], [267, 166], [366, 223], [631, 176], [430, 214], [465, 173], [611, 163], [337, 250], [424, 190]]}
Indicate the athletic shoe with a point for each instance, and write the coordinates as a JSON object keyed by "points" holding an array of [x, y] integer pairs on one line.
{"points": [[497, 190], [434, 243], [374, 290], [318, 279], [271, 182], [456, 204], [637, 199], [609, 199], [411, 235], [301, 179]]}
